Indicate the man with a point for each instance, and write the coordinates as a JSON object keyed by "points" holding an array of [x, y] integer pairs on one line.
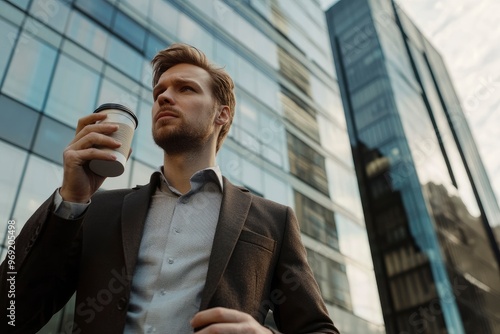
{"points": [[187, 252]]}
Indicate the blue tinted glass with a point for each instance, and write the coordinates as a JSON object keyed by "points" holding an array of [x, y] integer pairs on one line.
{"points": [[10, 175], [87, 33], [100, 10], [20, 3], [120, 55], [111, 92], [129, 30], [54, 13], [7, 38], [144, 148], [29, 72], [74, 89], [52, 138], [39, 182], [154, 44], [17, 122]]}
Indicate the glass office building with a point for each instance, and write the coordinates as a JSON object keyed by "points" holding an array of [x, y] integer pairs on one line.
{"points": [[289, 142], [428, 205]]}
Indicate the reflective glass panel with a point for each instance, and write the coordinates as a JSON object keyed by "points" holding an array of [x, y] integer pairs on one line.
{"points": [[7, 37], [29, 72], [121, 56], [129, 30], [344, 187], [53, 13], [100, 10], [141, 173], [73, 92], [10, 175], [17, 122], [87, 33], [144, 147], [42, 178], [52, 138], [164, 16]]}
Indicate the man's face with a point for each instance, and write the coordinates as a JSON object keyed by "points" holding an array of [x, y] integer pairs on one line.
{"points": [[184, 110]]}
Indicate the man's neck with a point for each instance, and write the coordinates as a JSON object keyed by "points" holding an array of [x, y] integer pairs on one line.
{"points": [[179, 168]]}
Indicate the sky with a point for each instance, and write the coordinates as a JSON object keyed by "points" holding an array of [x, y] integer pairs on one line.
{"points": [[467, 35]]}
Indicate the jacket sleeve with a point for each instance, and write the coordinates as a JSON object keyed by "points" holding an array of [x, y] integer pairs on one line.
{"points": [[44, 274], [298, 305]]}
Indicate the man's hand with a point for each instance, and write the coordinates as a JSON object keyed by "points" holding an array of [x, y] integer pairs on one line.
{"points": [[223, 320], [79, 182]]}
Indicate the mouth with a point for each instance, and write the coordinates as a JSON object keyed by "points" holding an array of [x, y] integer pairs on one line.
{"points": [[167, 114]]}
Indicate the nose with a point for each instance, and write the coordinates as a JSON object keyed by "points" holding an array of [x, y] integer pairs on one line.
{"points": [[166, 97]]}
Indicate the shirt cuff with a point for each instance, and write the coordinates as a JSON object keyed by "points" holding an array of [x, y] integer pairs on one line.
{"points": [[68, 210]]}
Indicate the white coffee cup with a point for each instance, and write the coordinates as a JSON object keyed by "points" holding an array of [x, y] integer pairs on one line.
{"points": [[127, 123]]}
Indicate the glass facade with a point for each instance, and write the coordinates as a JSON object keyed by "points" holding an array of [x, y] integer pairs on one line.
{"points": [[428, 205], [62, 58]]}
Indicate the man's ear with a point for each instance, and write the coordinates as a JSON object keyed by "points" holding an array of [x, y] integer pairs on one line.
{"points": [[222, 115]]}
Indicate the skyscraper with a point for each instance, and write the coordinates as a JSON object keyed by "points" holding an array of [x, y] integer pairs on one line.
{"points": [[428, 205], [289, 143]]}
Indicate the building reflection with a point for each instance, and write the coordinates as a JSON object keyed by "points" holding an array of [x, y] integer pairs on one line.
{"points": [[406, 283], [428, 205]]}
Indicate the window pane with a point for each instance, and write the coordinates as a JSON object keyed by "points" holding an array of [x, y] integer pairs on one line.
{"points": [[52, 138], [124, 58], [230, 164], [7, 37], [113, 93], [225, 57], [364, 293], [192, 33], [54, 13], [275, 189], [165, 17], [353, 240], [144, 147], [10, 174], [153, 45], [344, 187], [29, 72], [41, 179], [268, 90], [73, 92], [100, 10], [335, 139], [20, 3], [129, 30], [141, 173], [87, 33], [139, 7], [252, 176], [17, 122]]}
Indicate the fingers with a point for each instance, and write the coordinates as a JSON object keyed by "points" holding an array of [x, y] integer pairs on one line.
{"points": [[90, 119], [223, 320], [104, 129], [217, 315]]}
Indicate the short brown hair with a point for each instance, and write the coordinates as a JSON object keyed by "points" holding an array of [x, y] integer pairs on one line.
{"points": [[222, 85]]}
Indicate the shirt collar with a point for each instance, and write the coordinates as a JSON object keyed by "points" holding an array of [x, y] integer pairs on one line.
{"points": [[198, 178]]}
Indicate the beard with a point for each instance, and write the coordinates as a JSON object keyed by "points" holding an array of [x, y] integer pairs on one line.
{"points": [[181, 138]]}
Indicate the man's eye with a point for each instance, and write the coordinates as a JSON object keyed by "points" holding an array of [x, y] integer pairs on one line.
{"points": [[186, 88]]}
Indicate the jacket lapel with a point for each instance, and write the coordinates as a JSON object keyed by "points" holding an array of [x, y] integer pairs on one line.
{"points": [[134, 211], [234, 210]]}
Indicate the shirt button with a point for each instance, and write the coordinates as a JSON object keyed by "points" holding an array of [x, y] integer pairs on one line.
{"points": [[176, 230], [150, 329], [170, 260], [163, 292]]}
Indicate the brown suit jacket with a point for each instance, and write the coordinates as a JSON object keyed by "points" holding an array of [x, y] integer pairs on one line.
{"points": [[257, 262]]}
